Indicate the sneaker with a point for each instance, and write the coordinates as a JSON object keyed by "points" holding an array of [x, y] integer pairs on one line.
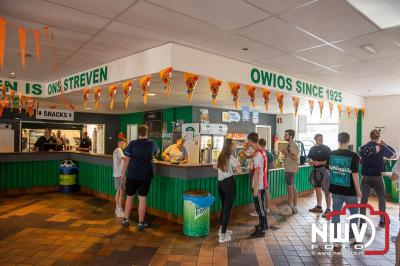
{"points": [[116, 210], [316, 209], [257, 227], [326, 213], [222, 238], [121, 214], [125, 222], [254, 214], [257, 233], [294, 210], [142, 225], [287, 211], [229, 232], [267, 211]]}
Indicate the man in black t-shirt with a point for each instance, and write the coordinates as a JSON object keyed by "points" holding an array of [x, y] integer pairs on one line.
{"points": [[138, 172], [345, 186], [45, 142], [319, 176], [86, 143]]}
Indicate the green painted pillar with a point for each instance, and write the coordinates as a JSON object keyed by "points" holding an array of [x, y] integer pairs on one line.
{"points": [[359, 130]]}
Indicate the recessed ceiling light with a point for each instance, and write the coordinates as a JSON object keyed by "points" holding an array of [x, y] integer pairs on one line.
{"points": [[88, 108], [12, 73], [245, 49], [370, 48], [152, 94]]}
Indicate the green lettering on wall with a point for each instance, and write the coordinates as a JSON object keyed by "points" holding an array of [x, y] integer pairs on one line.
{"points": [[82, 80], [255, 75], [37, 89], [289, 84], [95, 76], [103, 74], [89, 77]]}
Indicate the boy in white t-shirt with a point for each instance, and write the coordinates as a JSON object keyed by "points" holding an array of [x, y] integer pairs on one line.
{"points": [[118, 164], [259, 184]]}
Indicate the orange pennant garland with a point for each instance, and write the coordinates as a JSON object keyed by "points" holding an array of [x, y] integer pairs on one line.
{"points": [[3, 92], [251, 91], [348, 111], [37, 44], [321, 107], [97, 92], [363, 112], [2, 40], [330, 109], [214, 87], [20, 102], [190, 83], [1, 107], [356, 112], [145, 85], [127, 87], [296, 101], [279, 99], [22, 44], [165, 76], [311, 104], [235, 87], [265, 94], [85, 96], [340, 109], [112, 90]]}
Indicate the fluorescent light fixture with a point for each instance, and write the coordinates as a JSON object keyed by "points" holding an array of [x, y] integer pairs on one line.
{"points": [[370, 48], [384, 13], [152, 94]]}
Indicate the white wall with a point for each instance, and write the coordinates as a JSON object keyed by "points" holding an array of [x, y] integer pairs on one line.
{"points": [[383, 111], [289, 121], [349, 125]]}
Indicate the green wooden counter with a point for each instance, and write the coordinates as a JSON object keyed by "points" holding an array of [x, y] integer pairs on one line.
{"points": [[28, 172]]}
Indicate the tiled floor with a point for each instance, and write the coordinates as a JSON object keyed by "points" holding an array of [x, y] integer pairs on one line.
{"points": [[77, 229]]}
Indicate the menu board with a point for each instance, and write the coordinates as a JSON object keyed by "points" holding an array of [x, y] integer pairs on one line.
{"points": [[154, 121]]}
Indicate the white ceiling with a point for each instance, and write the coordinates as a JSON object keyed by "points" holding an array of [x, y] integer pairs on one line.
{"points": [[317, 40]]}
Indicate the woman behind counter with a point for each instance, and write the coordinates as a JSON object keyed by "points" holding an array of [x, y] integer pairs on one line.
{"points": [[176, 153]]}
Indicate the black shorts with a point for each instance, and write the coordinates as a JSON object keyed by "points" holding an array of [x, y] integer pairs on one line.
{"points": [[140, 186]]}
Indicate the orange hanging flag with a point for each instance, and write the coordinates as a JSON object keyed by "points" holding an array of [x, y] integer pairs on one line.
{"points": [[145, 85], [356, 112], [112, 90], [1, 107], [214, 87], [363, 112], [85, 96], [20, 103], [321, 107], [296, 101], [190, 83], [37, 44], [127, 87], [2, 40], [3, 92], [340, 109], [46, 32], [235, 87], [265, 94], [97, 92], [311, 104], [12, 94], [279, 99], [251, 91], [165, 76], [22, 44], [348, 108], [330, 109]]}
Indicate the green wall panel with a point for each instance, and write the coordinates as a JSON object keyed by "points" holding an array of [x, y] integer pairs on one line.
{"points": [[132, 118]]}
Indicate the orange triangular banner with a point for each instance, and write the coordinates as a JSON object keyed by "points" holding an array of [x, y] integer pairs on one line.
{"points": [[20, 102], [85, 96], [190, 83], [97, 92], [214, 87], [145, 86], [265, 94], [112, 90], [127, 87], [251, 91], [363, 112], [2, 40], [356, 112], [37, 44], [165, 76], [330, 109], [279, 99], [340, 109], [296, 101], [321, 107], [311, 104], [22, 44], [348, 108], [235, 87]]}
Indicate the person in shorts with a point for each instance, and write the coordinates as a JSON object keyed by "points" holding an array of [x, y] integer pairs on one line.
{"points": [[291, 165], [138, 172], [118, 164], [319, 176]]}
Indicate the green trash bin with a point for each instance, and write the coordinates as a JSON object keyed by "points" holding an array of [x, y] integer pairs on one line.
{"points": [[395, 191], [196, 213]]}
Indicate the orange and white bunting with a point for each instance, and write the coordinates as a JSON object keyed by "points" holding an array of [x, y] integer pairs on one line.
{"points": [[214, 87], [165, 76], [20, 102], [279, 99], [265, 94], [190, 83], [12, 95], [296, 101], [348, 108], [321, 107], [22, 44], [37, 44], [251, 91], [85, 92], [330, 109], [2, 40], [127, 87], [235, 87], [112, 90], [311, 104], [363, 112], [145, 86], [356, 112], [340, 109], [97, 92]]}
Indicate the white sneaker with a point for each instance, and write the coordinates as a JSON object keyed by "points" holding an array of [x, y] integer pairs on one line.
{"points": [[222, 238], [116, 211], [294, 210], [229, 232], [254, 214], [287, 211]]}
